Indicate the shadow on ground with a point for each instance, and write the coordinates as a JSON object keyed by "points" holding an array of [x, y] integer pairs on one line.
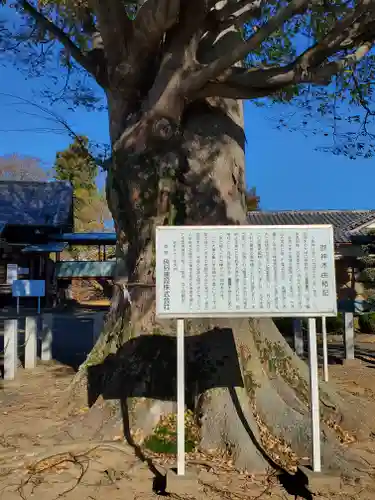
{"points": [[145, 367]]}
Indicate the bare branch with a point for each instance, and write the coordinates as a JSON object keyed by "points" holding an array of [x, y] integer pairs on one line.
{"points": [[51, 116], [88, 64]]}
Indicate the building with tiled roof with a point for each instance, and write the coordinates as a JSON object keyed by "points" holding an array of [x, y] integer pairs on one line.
{"points": [[30, 213], [346, 223], [349, 226], [37, 204]]}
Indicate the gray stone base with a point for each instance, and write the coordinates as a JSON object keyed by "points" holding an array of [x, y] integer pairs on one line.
{"points": [[351, 362], [182, 485], [319, 482]]}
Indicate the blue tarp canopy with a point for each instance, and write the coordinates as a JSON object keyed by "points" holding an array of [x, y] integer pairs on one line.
{"points": [[88, 269], [2, 226], [104, 238], [45, 248]]}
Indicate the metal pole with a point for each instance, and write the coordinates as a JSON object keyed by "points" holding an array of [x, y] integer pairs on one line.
{"points": [[38, 305], [325, 349], [180, 398], [18, 305], [314, 396]]}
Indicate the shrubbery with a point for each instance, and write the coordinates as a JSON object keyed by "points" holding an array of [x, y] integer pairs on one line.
{"points": [[367, 322]]}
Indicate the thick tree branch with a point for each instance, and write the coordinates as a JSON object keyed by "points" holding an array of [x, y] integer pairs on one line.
{"points": [[238, 13], [154, 18], [256, 83], [349, 32], [353, 31], [115, 29], [240, 51], [85, 61]]}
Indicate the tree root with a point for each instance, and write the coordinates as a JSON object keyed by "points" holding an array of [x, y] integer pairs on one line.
{"points": [[264, 423], [76, 449]]}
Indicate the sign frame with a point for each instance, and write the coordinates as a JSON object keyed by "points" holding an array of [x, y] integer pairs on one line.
{"points": [[249, 313]]}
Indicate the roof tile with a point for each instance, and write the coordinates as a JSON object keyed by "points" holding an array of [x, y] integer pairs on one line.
{"points": [[36, 203], [343, 221]]}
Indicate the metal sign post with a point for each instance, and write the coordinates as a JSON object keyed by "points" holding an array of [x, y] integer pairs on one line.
{"points": [[180, 398], [314, 395], [325, 349]]}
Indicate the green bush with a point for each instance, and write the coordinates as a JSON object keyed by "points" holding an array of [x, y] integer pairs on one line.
{"points": [[164, 437], [367, 322]]}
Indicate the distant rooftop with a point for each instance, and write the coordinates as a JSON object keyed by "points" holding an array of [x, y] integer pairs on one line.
{"points": [[36, 203], [58, 246], [345, 222], [104, 238]]}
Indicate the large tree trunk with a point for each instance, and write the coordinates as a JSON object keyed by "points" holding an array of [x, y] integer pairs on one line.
{"points": [[247, 388]]}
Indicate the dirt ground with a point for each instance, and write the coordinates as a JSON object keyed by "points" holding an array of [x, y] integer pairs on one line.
{"points": [[51, 449]]}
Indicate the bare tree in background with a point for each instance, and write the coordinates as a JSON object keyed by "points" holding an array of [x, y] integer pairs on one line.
{"points": [[21, 168]]}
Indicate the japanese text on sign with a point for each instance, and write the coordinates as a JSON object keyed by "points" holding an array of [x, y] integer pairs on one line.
{"points": [[263, 271]]}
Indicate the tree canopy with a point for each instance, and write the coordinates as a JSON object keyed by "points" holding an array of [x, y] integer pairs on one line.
{"points": [[77, 166], [245, 49]]}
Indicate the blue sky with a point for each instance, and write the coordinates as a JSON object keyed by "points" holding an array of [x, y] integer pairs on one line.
{"points": [[284, 166]]}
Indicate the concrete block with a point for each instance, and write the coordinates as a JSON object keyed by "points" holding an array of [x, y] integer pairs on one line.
{"points": [[10, 349], [349, 335], [31, 329], [298, 337], [351, 363], [182, 485], [319, 482], [46, 335]]}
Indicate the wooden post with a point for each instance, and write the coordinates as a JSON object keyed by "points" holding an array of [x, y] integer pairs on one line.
{"points": [[10, 348], [298, 337]]}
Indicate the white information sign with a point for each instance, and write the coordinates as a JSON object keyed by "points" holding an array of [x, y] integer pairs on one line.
{"points": [[255, 271], [12, 273]]}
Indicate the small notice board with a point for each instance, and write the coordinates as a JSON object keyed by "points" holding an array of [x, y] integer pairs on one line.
{"points": [[12, 273], [28, 288]]}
